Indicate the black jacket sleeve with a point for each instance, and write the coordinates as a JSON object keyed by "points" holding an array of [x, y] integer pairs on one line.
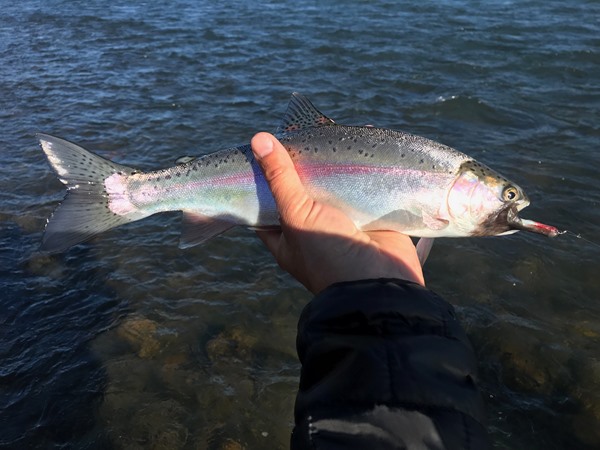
{"points": [[385, 365]]}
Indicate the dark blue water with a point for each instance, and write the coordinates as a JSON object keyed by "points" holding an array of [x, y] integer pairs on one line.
{"points": [[129, 342]]}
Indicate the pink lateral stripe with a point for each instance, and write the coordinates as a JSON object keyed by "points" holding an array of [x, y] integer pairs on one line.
{"points": [[305, 170]]}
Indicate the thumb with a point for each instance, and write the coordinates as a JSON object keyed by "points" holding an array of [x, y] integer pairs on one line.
{"points": [[293, 203]]}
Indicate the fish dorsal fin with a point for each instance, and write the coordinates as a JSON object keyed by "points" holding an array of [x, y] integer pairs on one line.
{"points": [[300, 114], [185, 159]]}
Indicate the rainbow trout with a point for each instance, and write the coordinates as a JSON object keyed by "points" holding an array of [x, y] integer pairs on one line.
{"points": [[382, 179]]}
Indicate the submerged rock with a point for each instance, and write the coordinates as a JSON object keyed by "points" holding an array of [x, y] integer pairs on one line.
{"points": [[160, 424], [230, 444], [231, 343], [586, 423], [526, 361], [174, 362], [140, 333], [588, 329]]}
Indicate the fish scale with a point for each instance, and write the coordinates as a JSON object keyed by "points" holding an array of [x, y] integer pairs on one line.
{"points": [[382, 179]]}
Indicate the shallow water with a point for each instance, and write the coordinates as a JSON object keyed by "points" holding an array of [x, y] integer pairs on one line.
{"points": [[129, 342]]}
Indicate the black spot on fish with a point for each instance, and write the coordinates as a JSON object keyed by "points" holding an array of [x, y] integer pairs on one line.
{"points": [[360, 152], [167, 177], [421, 161], [316, 149], [334, 149], [349, 147], [402, 155], [307, 149], [177, 174], [374, 145], [330, 142]]}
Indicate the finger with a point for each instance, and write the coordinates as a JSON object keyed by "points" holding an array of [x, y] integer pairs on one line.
{"points": [[293, 203]]}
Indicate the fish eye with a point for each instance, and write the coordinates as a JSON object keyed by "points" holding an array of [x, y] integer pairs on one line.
{"points": [[510, 193]]}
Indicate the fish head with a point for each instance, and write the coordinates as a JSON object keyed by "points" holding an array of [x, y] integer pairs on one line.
{"points": [[481, 202]]}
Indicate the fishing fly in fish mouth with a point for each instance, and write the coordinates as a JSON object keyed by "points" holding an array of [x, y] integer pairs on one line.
{"points": [[382, 179]]}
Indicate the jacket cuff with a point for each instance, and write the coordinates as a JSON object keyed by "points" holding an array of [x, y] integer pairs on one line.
{"points": [[384, 342]]}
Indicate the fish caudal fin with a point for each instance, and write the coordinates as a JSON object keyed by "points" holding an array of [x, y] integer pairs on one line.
{"points": [[96, 198]]}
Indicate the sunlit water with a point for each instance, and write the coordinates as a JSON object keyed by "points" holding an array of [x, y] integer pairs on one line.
{"points": [[129, 342]]}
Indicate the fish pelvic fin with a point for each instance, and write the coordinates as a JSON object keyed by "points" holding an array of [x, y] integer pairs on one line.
{"points": [[300, 114], [423, 248], [96, 198]]}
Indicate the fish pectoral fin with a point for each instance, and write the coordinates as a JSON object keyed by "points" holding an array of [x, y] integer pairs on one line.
{"points": [[423, 248], [434, 223], [398, 220], [198, 228], [300, 114]]}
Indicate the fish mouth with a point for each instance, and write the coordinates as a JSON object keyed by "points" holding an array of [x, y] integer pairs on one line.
{"points": [[516, 223], [507, 221]]}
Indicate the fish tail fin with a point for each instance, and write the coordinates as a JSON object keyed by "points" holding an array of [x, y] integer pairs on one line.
{"points": [[96, 198]]}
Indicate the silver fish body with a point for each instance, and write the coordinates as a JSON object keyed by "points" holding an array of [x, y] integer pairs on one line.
{"points": [[383, 179]]}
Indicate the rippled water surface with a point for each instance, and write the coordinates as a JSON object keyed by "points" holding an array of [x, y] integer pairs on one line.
{"points": [[129, 342]]}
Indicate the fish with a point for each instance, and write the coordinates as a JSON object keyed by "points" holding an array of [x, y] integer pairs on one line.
{"points": [[381, 178]]}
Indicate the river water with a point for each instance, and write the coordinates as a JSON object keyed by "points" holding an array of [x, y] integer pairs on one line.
{"points": [[128, 342]]}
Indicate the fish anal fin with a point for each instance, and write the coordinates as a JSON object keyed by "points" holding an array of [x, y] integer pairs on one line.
{"points": [[301, 114], [198, 228]]}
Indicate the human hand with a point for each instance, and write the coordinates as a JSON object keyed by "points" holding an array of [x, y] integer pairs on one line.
{"points": [[318, 244]]}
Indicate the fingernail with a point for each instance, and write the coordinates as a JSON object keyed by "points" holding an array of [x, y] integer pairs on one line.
{"points": [[265, 148]]}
